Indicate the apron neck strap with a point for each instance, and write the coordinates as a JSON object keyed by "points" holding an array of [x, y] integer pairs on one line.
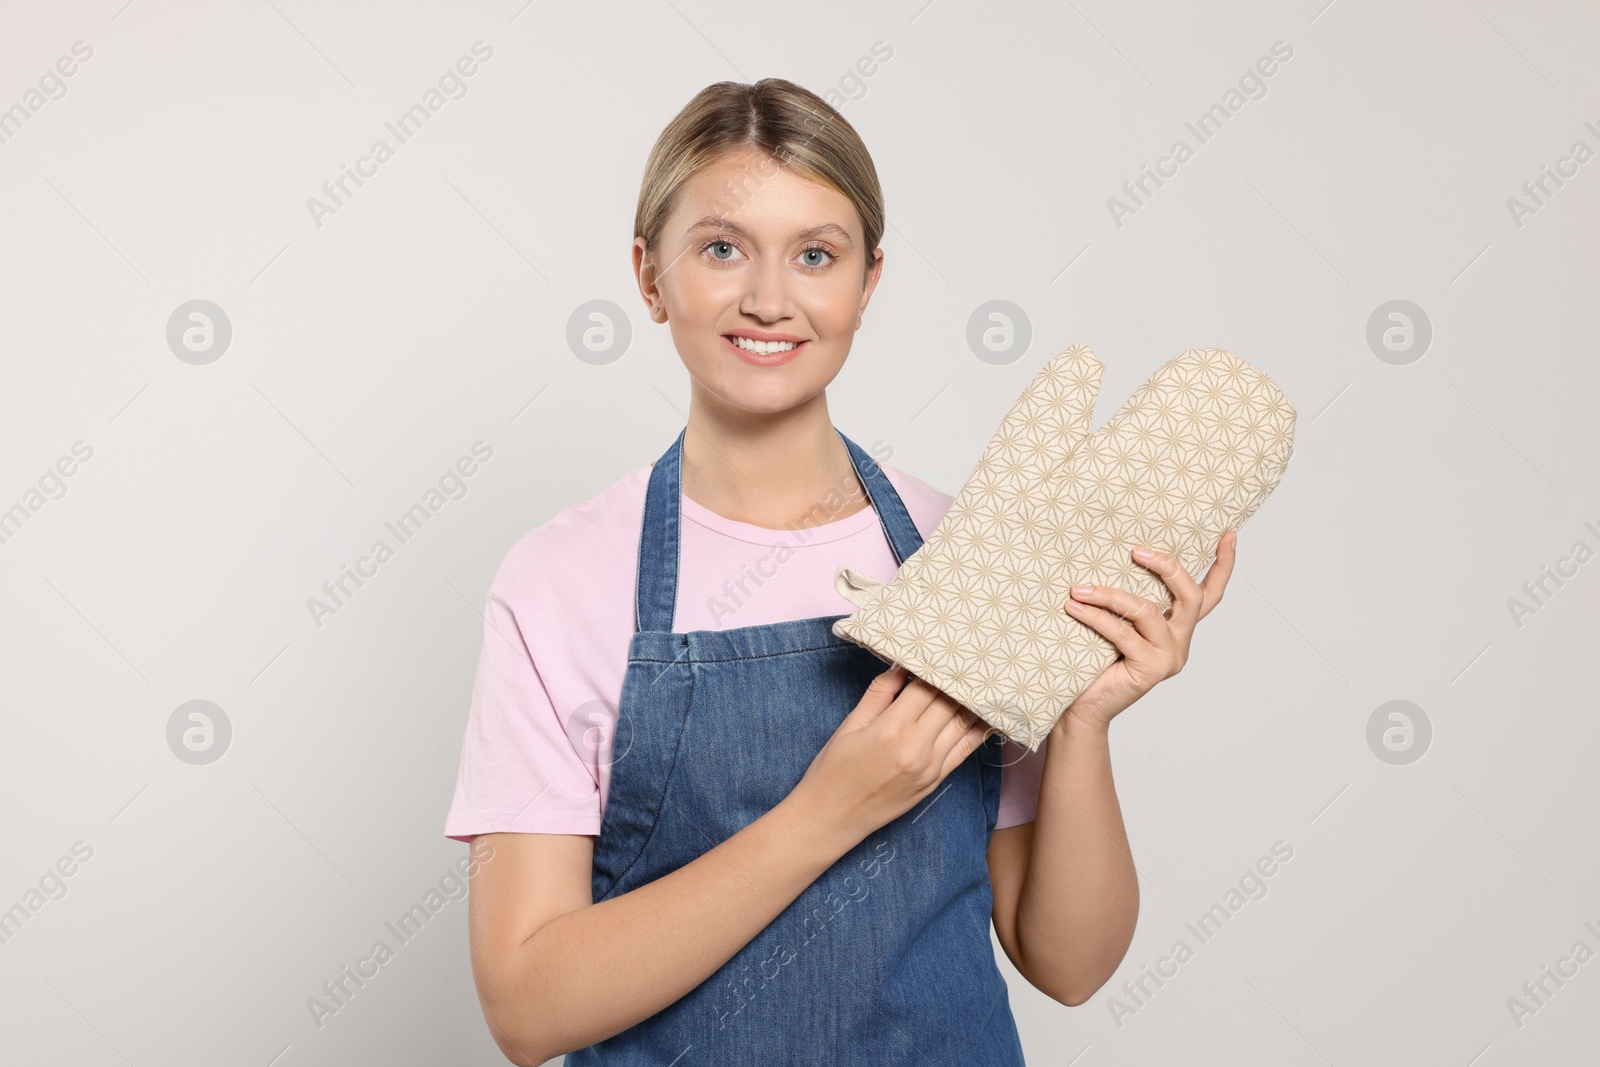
{"points": [[656, 595]]}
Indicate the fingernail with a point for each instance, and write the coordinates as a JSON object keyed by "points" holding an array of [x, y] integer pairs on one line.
{"points": [[1142, 554], [1082, 590]]}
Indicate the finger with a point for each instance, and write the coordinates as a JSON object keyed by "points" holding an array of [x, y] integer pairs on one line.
{"points": [[880, 693], [960, 720], [942, 713], [1216, 579], [910, 703], [921, 699], [892, 680], [1186, 594], [1141, 616], [1108, 624], [964, 746]]}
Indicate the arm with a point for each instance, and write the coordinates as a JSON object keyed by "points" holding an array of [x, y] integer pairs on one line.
{"points": [[1065, 889], [557, 972]]}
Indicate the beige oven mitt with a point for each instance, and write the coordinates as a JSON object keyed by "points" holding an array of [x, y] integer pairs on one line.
{"points": [[979, 610]]}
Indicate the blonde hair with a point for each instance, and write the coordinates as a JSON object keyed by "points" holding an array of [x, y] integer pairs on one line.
{"points": [[799, 129]]}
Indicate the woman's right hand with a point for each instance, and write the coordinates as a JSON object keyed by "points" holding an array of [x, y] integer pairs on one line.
{"points": [[892, 750]]}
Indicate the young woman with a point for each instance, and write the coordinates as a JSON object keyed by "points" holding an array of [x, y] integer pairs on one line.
{"points": [[714, 832]]}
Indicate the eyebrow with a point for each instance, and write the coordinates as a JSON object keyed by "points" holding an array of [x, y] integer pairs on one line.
{"points": [[717, 222]]}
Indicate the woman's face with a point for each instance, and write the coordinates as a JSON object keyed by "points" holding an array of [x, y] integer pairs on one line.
{"points": [[752, 250]]}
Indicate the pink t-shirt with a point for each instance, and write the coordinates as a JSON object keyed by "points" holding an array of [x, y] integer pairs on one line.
{"points": [[560, 616]]}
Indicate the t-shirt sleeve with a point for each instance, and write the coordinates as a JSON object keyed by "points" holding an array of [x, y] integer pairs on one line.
{"points": [[1020, 775], [520, 769]]}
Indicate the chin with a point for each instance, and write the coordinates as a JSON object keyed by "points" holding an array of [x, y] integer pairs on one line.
{"points": [[768, 397], [767, 403]]}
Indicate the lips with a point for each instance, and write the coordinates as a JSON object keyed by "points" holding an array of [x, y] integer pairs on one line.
{"points": [[758, 360]]}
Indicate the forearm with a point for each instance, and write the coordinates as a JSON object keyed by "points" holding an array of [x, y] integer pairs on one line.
{"points": [[1080, 898], [594, 972]]}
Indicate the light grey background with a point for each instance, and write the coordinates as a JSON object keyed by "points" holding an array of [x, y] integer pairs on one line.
{"points": [[431, 310]]}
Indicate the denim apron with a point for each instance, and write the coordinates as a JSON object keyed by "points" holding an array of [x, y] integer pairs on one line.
{"points": [[886, 958]]}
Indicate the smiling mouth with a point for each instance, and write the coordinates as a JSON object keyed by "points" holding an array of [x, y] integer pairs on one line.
{"points": [[761, 348], [764, 353]]}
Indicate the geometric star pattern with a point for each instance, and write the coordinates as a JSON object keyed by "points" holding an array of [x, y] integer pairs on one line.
{"points": [[977, 611]]}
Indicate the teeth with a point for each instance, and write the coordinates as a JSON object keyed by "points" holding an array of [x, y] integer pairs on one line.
{"points": [[763, 348]]}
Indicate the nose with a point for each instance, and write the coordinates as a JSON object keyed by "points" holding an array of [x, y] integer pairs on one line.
{"points": [[766, 295]]}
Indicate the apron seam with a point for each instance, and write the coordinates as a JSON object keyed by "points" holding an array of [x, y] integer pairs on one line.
{"points": [[655, 823], [827, 646]]}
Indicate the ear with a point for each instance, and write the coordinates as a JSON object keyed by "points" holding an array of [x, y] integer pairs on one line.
{"points": [[644, 273]]}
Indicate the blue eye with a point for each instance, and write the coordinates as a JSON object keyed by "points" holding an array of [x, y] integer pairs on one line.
{"points": [[820, 250], [811, 264]]}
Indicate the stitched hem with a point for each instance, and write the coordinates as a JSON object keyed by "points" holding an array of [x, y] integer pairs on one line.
{"points": [[464, 826]]}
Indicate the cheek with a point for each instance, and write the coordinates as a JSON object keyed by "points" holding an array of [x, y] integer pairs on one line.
{"points": [[696, 345], [702, 300], [696, 313], [832, 310]]}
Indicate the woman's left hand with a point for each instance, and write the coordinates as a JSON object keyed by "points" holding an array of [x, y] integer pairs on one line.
{"points": [[1154, 644]]}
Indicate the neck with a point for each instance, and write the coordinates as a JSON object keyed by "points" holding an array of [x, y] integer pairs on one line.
{"points": [[783, 471]]}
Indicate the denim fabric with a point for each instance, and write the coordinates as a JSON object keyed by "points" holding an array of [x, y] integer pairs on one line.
{"points": [[886, 958]]}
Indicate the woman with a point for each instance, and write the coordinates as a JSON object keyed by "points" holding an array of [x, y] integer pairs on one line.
{"points": [[774, 851]]}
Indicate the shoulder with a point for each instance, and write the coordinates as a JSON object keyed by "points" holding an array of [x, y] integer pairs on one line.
{"points": [[926, 504], [584, 539]]}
